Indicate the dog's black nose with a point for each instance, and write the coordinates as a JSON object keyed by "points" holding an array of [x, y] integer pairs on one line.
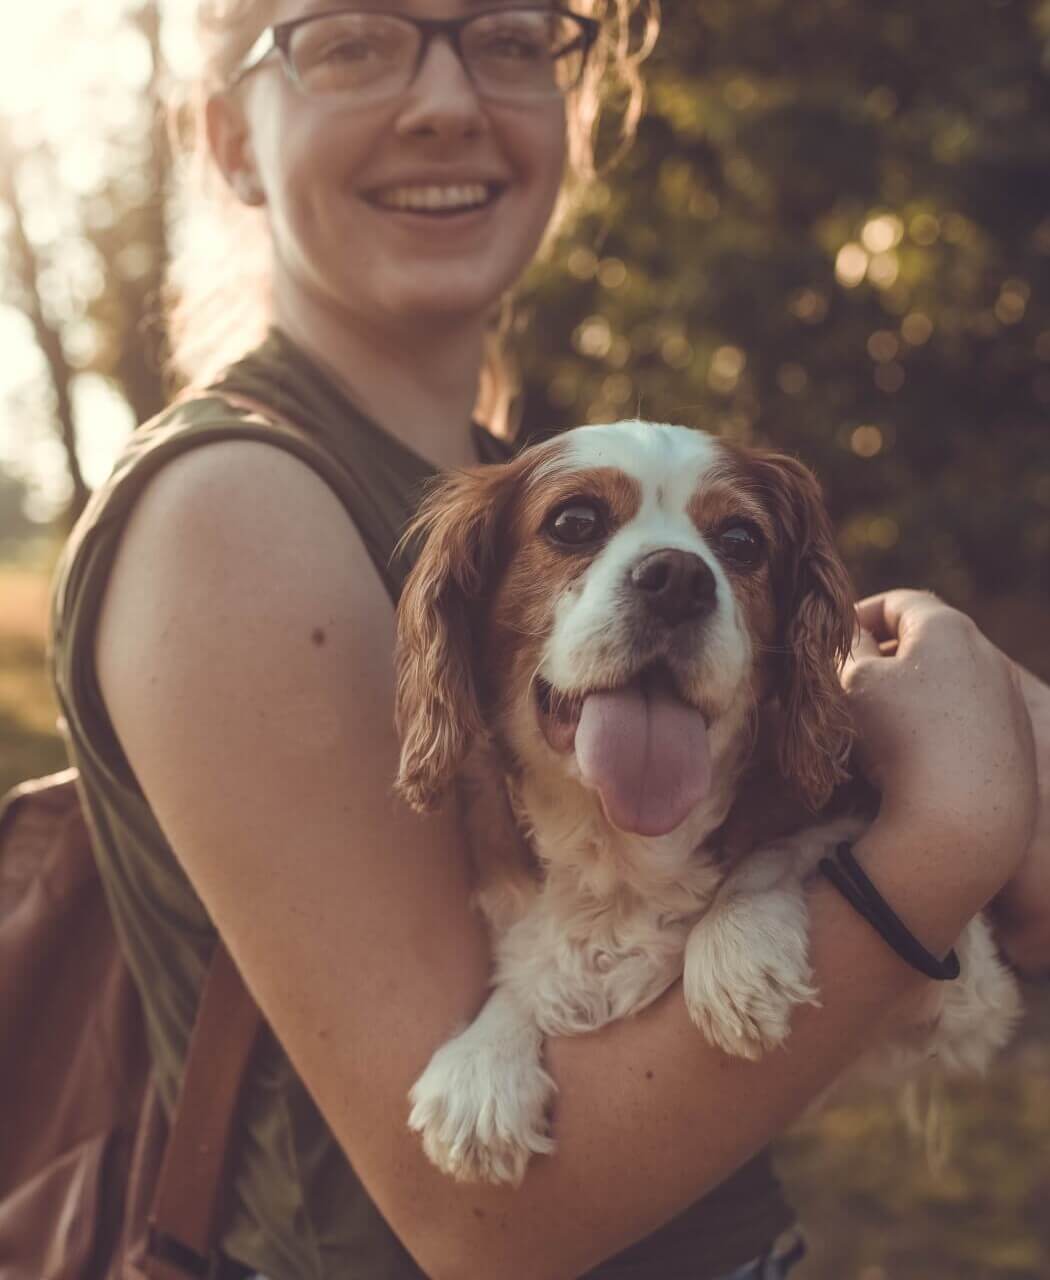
{"points": [[677, 586]]}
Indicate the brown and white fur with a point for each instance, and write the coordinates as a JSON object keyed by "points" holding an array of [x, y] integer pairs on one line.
{"points": [[504, 629]]}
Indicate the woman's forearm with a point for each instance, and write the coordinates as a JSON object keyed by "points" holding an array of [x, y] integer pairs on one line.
{"points": [[1022, 910]]}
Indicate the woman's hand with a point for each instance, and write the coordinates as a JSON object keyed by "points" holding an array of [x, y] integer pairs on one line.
{"points": [[944, 733], [1021, 913]]}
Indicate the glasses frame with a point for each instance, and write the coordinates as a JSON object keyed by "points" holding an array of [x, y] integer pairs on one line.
{"points": [[278, 39]]}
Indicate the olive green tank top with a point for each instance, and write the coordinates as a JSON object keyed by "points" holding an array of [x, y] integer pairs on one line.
{"points": [[298, 1212]]}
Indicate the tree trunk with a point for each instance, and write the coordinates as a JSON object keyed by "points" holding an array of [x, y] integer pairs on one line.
{"points": [[26, 272]]}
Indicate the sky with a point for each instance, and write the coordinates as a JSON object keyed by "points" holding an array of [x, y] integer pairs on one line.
{"points": [[67, 67]]}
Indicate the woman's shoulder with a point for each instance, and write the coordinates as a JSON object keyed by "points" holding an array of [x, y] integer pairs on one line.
{"points": [[243, 514], [165, 454], [206, 450], [182, 427], [197, 537]]}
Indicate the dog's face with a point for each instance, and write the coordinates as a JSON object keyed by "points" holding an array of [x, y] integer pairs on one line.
{"points": [[608, 603]]}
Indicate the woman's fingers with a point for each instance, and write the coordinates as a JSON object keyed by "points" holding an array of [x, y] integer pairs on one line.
{"points": [[892, 615], [864, 646], [942, 729]]}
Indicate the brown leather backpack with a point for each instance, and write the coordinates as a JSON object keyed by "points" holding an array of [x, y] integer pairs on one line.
{"points": [[93, 1184]]}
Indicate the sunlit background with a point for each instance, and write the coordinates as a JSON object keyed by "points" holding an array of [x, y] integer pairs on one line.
{"points": [[75, 77], [832, 235]]}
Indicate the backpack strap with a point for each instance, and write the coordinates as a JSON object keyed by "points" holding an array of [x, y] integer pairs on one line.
{"points": [[185, 1217]]}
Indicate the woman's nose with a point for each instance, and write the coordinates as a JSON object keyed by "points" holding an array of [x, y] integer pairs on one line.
{"points": [[442, 98]]}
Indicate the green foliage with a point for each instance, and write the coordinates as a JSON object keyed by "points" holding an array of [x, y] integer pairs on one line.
{"points": [[833, 236]]}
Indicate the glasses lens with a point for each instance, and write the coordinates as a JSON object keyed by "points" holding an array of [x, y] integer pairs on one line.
{"points": [[524, 53], [355, 53]]}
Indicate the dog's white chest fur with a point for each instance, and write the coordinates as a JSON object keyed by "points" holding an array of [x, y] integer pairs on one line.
{"points": [[580, 961], [603, 933]]}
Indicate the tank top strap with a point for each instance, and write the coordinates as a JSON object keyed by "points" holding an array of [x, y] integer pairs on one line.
{"points": [[379, 529]]}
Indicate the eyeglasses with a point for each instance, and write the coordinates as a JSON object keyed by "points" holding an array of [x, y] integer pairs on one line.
{"points": [[511, 54]]}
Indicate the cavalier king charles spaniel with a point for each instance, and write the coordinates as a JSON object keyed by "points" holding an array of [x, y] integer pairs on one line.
{"points": [[607, 613]]}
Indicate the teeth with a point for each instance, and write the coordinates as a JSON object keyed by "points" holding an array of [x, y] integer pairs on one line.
{"points": [[463, 197]]}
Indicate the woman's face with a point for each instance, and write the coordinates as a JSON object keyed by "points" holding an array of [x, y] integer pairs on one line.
{"points": [[336, 179]]}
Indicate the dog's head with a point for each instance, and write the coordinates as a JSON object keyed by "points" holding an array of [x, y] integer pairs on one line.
{"points": [[606, 600]]}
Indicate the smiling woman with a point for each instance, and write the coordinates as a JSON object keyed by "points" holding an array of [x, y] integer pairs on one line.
{"points": [[221, 273]]}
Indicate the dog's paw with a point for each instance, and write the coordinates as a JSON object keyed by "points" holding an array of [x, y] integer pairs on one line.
{"points": [[746, 969], [482, 1111]]}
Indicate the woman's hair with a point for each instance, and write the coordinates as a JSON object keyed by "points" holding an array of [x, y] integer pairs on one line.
{"points": [[218, 287]]}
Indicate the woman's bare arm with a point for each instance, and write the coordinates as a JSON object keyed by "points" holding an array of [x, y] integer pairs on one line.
{"points": [[1022, 911], [244, 653]]}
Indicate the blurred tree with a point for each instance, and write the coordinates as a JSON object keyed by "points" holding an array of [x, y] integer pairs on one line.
{"points": [[23, 288], [133, 241], [15, 526], [833, 236], [87, 232]]}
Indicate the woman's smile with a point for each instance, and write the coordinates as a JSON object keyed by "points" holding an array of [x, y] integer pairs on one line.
{"points": [[447, 199]]}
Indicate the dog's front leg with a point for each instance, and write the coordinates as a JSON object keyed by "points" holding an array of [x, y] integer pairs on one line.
{"points": [[746, 962], [481, 1105]]}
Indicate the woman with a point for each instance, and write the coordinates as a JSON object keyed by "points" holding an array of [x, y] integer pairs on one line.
{"points": [[223, 631]]}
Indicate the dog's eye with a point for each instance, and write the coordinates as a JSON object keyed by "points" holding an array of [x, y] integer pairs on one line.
{"points": [[741, 543], [576, 523]]}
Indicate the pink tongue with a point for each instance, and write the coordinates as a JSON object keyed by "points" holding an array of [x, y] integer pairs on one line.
{"points": [[646, 754]]}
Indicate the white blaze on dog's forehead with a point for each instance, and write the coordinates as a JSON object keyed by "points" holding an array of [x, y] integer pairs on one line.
{"points": [[667, 461]]}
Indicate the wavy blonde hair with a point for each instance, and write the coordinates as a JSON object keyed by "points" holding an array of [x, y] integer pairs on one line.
{"points": [[218, 288]]}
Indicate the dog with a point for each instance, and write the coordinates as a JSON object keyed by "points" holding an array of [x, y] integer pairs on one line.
{"points": [[607, 614]]}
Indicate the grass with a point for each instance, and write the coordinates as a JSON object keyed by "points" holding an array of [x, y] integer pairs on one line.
{"points": [[875, 1209], [872, 1207]]}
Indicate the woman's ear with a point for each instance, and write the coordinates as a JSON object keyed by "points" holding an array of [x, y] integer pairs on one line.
{"points": [[439, 622], [229, 141], [815, 625]]}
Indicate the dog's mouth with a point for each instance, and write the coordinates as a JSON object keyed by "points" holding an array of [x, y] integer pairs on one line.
{"points": [[558, 714], [642, 746]]}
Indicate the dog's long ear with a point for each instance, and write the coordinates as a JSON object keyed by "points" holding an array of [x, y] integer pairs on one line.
{"points": [[815, 627], [439, 619]]}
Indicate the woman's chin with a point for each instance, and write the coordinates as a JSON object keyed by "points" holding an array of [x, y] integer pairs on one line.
{"points": [[443, 295]]}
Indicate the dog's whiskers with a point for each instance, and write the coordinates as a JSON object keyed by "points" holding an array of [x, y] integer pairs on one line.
{"points": [[527, 633]]}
